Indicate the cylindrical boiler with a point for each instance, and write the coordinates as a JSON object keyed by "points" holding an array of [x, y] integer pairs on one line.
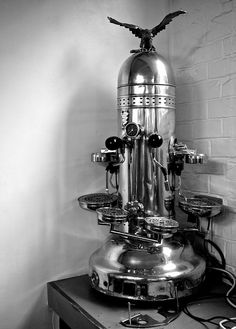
{"points": [[146, 97]]}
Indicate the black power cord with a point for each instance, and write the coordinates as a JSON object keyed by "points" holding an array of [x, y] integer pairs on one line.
{"points": [[228, 296], [214, 265], [217, 248]]}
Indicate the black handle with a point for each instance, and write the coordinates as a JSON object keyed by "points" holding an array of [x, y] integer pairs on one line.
{"points": [[155, 140], [113, 143]]}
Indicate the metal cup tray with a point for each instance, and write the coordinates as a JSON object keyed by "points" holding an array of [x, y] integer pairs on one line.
{"points": [[161, 225], [97, 200], [201, 206], [108, 215]]}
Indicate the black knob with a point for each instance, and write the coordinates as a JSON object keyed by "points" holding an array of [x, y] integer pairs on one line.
{"points": [[113, 143], [155, 140]]}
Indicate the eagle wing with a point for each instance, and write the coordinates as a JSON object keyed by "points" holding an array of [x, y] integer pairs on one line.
{"points": [[136, 30], [166, 21]]}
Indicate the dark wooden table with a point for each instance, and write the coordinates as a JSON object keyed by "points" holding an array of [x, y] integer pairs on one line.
{"points": [[78, 306]]}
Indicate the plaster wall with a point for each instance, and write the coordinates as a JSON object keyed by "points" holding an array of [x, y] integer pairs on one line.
{"points": [[59, 62]]}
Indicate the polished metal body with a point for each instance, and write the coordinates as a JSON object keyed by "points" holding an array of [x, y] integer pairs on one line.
{"points": [[146, 96], [146, 257], [145, 271]]}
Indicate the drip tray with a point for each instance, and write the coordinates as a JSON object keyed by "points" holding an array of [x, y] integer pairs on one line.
{"points": [[161, 225], [97, 200], [201, 206], [109, 215]]}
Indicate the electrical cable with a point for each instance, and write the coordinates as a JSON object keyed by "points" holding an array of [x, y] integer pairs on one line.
{"points": [[217, 248], [208, 223], [223, 262], [202, 320], [228, 298], [227, 320], [53, 327], [209, 320]]}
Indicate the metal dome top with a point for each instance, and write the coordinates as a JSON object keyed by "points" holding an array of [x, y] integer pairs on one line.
{"points": [[145, 68]]}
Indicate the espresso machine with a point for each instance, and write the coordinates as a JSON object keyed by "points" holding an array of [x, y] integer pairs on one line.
{"points": [[147, 256]]}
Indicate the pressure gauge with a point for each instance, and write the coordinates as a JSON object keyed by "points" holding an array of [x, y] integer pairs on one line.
{"points": [[132, 129]]}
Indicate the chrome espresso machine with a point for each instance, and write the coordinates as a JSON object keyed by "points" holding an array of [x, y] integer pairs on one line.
{"points": [[147, 256]]}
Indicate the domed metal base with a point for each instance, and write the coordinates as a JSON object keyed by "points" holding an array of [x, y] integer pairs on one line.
{"points": [[144, 271]]}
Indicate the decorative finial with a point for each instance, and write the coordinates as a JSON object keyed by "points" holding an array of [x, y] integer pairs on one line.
{"points": [[147, 35]]}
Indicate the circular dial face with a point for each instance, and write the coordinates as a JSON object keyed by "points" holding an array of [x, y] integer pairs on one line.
{"points": [[132, 129]]}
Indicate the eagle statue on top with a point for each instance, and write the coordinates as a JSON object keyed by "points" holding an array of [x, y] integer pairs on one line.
{"points": [[147, 35]]}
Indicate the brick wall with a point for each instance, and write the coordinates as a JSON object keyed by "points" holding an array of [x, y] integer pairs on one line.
{"points": [[203, 52]]}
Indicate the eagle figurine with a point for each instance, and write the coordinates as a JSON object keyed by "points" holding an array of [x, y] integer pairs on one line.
{"points": [[147, 35]]}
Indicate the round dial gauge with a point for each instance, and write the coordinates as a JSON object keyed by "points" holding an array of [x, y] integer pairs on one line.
{"points": [[132, 129]]}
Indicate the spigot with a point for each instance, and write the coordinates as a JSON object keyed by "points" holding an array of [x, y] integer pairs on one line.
{"points": [[194, 158], [181, 151], [164, 172], [178, 154], [176, 164]]}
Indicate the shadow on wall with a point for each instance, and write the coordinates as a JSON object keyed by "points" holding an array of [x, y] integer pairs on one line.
{"points": [[89, 118], [68, 234], [58, 106]]}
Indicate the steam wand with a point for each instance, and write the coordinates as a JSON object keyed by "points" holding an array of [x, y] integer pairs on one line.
{"points": [[164, 171]]}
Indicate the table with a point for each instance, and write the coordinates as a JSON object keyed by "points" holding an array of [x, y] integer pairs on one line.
{"points": [[78, 306]]}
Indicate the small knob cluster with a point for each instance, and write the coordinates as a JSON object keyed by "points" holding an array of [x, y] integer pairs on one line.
{"points": [[114, 143]]}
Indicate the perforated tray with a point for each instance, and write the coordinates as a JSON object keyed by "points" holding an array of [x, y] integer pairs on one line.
{"points": [[200, 206], [112, 215], [97, 200], [161, 224]]}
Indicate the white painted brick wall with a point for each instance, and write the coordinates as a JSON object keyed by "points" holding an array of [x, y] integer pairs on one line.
{"points": [[229, 86], [207, 52], [229, 45], [229, 127], [203, 49], [203, 146], [224, 147], [184, 131], [195, 183], [231, 170], [192, 111], [224, 107], [207, 128], [191, 74], [222, 67]]}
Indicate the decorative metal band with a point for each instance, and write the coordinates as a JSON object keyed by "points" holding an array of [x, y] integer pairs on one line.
{"points": [[146, 101]]}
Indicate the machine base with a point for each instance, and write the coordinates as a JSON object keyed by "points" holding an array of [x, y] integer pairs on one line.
{"points": [[125, 269]]}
